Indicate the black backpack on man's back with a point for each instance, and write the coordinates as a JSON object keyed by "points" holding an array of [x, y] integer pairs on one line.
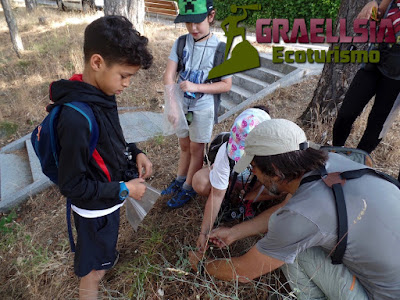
{"points": [[218, 59]]}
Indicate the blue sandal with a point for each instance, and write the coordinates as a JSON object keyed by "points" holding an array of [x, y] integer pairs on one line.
{"points": [[172, 188], [181, 198]]}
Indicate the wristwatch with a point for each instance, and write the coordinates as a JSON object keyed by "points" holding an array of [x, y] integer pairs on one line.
{"points": [[123, 191]]}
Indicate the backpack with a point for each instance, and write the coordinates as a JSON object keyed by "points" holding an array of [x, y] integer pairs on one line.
{"points": [[232, 205], [354, 154], [213, 147], [218, 59], [335, 182], [45, 141]]}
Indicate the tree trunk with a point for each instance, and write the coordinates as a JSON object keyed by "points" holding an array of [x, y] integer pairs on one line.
{"points": [[336, 77], [131, 9], [30, 5], [12, 25]]}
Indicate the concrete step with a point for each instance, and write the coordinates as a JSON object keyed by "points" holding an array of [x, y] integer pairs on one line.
{"points": [[226, 104], [249, 83], [266, 62], [238, 94], [15, 173], [265, 75], [36, 169], [140, 126]]}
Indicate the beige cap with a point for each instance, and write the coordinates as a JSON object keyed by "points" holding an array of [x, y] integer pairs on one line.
{"points": [[271, 137]]}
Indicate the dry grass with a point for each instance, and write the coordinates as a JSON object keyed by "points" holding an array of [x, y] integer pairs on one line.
{"points": [[34, 251]]}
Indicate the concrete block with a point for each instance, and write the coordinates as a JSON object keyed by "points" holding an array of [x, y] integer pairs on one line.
{"points": [[15, 173], [16, 145], [249, 83], [17, 198], [140, 126], [36, 169], [264, 74], [253, 98], [226, 105], [137, 210], [266, 62], [238, 94]]}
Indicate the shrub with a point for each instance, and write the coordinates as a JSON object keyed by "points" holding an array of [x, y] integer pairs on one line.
{"points": [[282, 9]]}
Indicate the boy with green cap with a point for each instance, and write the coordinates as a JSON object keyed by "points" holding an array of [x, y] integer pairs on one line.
{"points": [[197, 61]]}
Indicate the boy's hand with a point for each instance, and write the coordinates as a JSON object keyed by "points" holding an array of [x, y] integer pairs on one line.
{"points": [[136, 188], [188, 86], [144, 163], [202, 243]]}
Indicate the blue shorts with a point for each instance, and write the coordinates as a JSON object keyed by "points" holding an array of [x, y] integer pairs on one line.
{"points": [[96, 243]]}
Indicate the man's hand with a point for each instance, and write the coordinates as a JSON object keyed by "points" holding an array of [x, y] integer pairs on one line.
{"points": [[366, 12], [194, 258], [222, 237], [188, 86], [136, 188], [144, 163]]}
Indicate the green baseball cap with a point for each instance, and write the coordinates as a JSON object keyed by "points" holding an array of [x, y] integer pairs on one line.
{"points": [[193, 11]]}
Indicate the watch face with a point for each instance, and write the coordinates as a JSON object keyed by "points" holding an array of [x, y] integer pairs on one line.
{"points": [[124, 193]]}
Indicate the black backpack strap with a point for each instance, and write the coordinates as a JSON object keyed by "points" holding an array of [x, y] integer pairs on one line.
{"points": [[69, 226], [335, 181], [218, 59], [361, 172], [342, 230], [250, 186], [231, 185], [179, 52]]}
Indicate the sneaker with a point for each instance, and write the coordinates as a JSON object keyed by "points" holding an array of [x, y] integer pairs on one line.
{"points": [[173, 187], [181, 198]]}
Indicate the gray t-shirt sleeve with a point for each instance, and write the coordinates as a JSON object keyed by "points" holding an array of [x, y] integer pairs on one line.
{"points": [[289, 233], [173, 55]]}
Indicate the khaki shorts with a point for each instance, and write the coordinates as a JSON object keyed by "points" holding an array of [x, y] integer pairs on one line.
{"points": [[200, 130]]}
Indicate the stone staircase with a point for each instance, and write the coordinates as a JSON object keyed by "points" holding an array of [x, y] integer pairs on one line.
{"points": [[250, 82]]}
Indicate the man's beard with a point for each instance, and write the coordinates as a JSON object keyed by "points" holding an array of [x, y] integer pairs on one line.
{"points": [[273, 189]]}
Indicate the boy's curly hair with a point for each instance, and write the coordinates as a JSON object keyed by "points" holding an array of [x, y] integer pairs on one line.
{"points": [[115, 39]]}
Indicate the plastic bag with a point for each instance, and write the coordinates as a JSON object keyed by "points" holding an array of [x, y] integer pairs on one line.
{"points": [[174, 119]]}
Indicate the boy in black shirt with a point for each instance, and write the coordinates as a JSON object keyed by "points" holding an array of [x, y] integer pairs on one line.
{"points": [[97, 183]]}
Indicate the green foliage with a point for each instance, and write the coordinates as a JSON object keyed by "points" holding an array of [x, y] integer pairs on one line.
{"points": [[281, 9], [24, 63], [159, 139], [7, 128], [8, 231], [6, 221]]}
